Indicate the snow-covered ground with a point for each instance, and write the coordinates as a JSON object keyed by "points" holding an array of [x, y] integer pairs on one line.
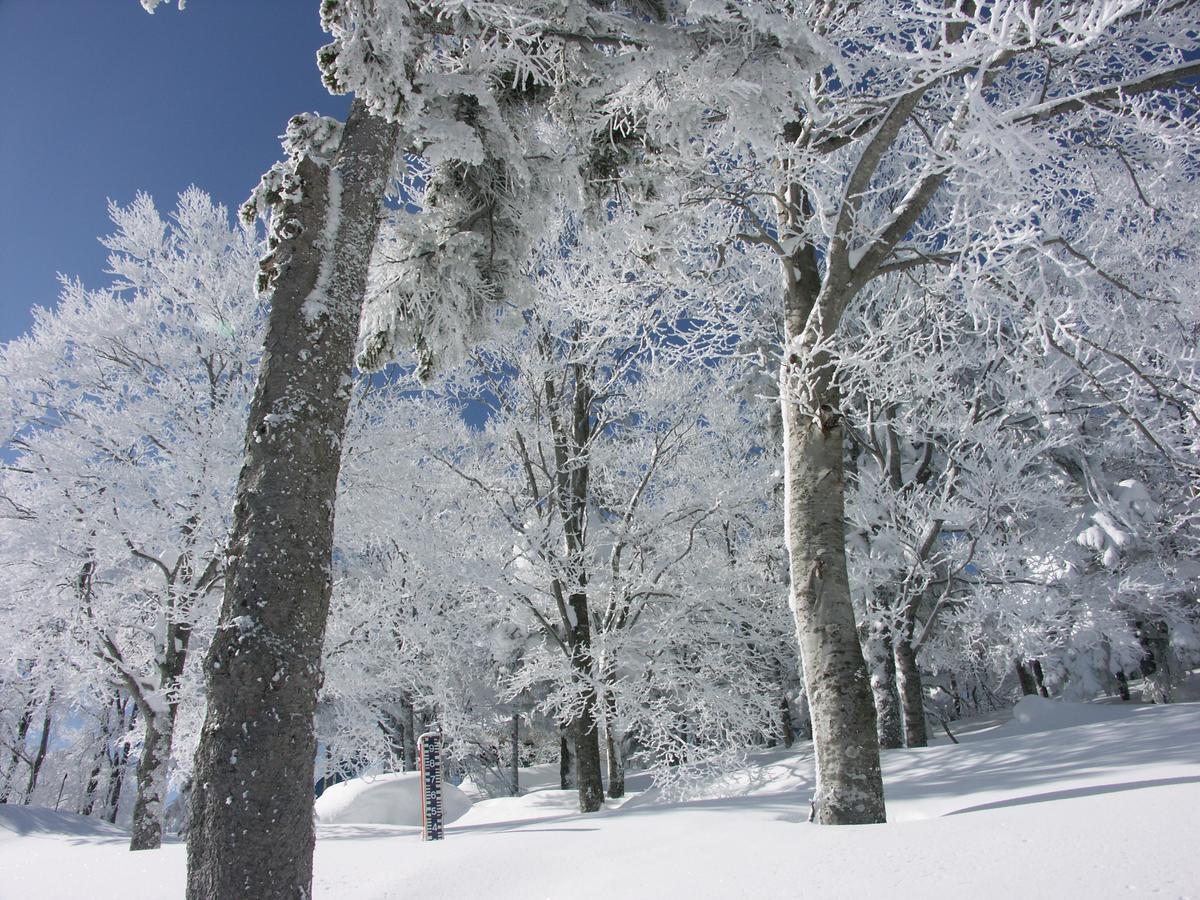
{"points": [[1094, 800]]}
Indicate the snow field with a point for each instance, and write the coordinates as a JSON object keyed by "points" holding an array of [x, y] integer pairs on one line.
{"points": [[1064, 801]]}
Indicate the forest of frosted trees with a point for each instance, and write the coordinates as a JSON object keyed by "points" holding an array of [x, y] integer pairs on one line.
{"points": [[687, 377]]}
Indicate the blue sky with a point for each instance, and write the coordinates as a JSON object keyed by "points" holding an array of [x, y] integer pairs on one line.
{"points": [[99, 100]]}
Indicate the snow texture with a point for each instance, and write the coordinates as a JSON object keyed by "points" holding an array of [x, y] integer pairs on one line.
{"points": [[1042, 805], [389, 799]]}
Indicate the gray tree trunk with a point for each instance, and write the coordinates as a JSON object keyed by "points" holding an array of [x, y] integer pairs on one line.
{"points": [[787, 730], [410, 736], [35, 767], [251, 830], [515, 763], [912, 692], [148, 808], [589, 776], [612, 740], [889, 726], [616, 764], [116, 774], [803, 715], [1160, 668], [103, 752], [572, 473], [849, 787], [849, 783], [93, 783], [154, 764], [566, 759]]}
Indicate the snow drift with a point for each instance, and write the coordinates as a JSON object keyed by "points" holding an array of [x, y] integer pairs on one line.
{"points": [[390, 799]]}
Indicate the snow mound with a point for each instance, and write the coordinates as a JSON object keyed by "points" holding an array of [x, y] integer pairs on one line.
{"points": [[1033, 713], [34, 820], [390, 799]]}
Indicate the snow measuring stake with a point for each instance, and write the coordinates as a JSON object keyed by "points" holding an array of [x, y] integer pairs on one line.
{"points": [[429, 753]]}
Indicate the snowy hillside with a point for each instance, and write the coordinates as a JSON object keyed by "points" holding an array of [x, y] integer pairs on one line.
{"points": [[1062, 801]]}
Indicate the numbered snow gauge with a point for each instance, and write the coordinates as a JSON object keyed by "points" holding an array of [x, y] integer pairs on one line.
{"points": [[429, 753]]}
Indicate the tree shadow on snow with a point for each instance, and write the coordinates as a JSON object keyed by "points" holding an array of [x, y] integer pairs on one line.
{"points": [[1079, 792]]}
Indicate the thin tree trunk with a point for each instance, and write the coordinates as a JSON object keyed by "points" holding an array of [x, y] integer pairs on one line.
{"points": [[410, 735], [803, 715], [40, 757], [912, 693], [889, 726], [1039, 678], [572, 472], [251, 831], [93, 784], [102, 754], [612, 740], [120, 759], [1123, 686], [515, 764], [566, 760], [787, 730]]}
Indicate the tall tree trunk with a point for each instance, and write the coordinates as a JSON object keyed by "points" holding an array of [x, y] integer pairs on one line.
{"points": [[912, 692], [849, 788], [251, 831], [889, 727], [572, 434]]}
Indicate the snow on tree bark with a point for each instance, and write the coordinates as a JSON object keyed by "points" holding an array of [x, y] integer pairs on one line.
{"points": [[912, 694], [883, 686], [251, 831], [849, 787]]}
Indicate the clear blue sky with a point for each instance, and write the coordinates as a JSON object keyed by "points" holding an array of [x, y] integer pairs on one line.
{"points": [[99, 100]]}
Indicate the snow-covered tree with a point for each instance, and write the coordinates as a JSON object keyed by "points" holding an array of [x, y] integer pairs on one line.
{"points": [[120, 411]]}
